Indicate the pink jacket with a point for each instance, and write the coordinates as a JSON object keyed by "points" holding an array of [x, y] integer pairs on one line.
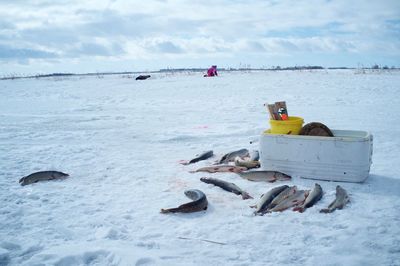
{"points": [[212, 71]]}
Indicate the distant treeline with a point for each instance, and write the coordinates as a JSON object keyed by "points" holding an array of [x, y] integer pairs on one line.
{"points": [[274, 68], [244, 68], [14, 76]]}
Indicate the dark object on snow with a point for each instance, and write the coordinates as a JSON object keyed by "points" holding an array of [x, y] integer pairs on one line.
{"points": [[142, 77], [313, 197], [231, 187], [42, 176], [199, 203], [316, 129], [211, 72], [204, 156], [230, 157], [342, 198]]}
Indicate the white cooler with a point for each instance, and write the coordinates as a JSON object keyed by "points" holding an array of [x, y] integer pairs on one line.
{"points": [[345, 157]]}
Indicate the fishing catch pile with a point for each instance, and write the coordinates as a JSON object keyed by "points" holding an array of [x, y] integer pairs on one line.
{"points": [[240, 162], [277, 199], [284, 197]]}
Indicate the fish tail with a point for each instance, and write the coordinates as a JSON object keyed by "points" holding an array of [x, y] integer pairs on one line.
{"points": [[325, 211], [246, 195], [164, 211], [172, 210]]}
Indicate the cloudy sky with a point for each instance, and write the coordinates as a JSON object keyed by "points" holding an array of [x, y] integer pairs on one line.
{"points": [[46, 36]]}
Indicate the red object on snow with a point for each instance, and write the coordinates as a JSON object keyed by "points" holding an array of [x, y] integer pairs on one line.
{"points": [[212, 71]]}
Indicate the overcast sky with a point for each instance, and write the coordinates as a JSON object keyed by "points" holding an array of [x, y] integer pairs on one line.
{"points": [[47, 36]]}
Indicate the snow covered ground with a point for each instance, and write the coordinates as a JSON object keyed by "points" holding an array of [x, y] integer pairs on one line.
{"points": [[121, 140]]}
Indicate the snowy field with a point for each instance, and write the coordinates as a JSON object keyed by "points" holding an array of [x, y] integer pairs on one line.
{"points": [[121, 140]]}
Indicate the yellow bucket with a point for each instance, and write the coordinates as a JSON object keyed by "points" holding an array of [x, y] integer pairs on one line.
{"points": [[292, 126]]}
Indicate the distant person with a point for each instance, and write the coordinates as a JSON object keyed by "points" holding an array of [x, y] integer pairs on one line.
{"points": [[211, 72]]}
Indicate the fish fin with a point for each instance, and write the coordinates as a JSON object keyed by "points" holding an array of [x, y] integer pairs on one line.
{"points": [[164, 211]]}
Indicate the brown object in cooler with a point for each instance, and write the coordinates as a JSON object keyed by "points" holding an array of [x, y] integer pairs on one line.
{"points": [[316, 129]]}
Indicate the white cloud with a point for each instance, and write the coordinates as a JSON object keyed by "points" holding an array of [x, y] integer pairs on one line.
{"points": [[130, 30]]}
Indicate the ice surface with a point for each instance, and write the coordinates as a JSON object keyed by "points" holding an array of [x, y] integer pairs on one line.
{"points": [[121, 141]]}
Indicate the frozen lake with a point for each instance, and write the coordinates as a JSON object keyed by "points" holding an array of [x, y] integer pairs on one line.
{"points": [[121, 140]]}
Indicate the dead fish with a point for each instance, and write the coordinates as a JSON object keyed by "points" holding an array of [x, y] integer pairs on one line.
{"points": [[286, 193], [314, 196], [41, 176], [221, 168], [267, 176], [341, 200], [230, 157], [267, 198], [231, 187], [296, 199], [204, 156], [199, 203], [246, 163]]}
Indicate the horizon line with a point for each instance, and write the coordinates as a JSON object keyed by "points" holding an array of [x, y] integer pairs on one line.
{"points": [[164, 70]]}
